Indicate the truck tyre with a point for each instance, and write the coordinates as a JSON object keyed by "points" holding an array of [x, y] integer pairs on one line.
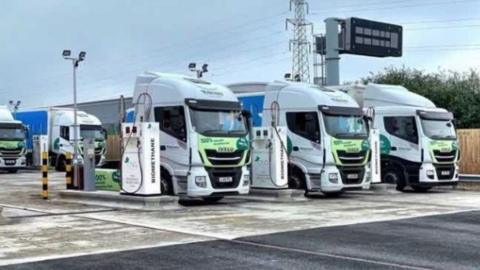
{"points": [[212, 199], [61, 163], [12, 171], [421, 189], [166, 184], [297, 180], [394, 176]]}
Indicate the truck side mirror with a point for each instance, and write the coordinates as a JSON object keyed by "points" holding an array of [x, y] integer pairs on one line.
{"points": [[105, 134]]}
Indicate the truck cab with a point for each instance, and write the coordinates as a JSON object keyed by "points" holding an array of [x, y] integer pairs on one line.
{"points": [[204, 145], [327, 134], [419, 146], [57, 124], [12, 142]]}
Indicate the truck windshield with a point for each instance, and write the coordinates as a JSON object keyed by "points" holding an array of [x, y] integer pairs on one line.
{"points": [[95, 132], [218, 123], [439, 129], [12, 132], [346, 126]]}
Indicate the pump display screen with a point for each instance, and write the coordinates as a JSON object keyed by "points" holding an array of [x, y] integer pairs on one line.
{"points": [[439, 129], [12, 132], [219, 123], [346, 126]]}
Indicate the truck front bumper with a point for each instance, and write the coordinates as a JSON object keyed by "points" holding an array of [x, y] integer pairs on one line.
{"points": [[216, 181], [437, 175], [13, 162], [332, 179]]}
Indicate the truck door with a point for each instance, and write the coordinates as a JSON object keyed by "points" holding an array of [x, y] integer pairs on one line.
{"points": [[173, 137], [403, 137], [304, 136]]}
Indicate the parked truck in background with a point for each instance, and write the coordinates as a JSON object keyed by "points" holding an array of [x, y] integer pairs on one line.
{"points": [[12, 142], [327, 134], [58, 125], [419, 146], [204, 147]]}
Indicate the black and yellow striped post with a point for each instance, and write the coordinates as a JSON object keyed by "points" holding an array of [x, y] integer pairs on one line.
{"points": [[68, 170], [45, 175]]}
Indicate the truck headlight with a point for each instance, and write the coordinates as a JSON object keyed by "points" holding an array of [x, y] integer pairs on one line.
{"points": [[430, 173], [333, 178], [201, 181], [246, 180]]}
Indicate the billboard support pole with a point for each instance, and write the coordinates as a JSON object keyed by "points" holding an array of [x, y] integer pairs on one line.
{"points": [[332, 59]]}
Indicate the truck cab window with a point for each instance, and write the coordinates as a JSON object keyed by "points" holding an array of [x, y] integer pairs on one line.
{"points": [[65, 132], [304, 124], [172, 121], [403, 127]]}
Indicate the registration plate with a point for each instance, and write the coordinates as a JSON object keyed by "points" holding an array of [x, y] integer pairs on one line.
{"points": [[228, 179], [10, 162], [445, 173], [352, 176]]}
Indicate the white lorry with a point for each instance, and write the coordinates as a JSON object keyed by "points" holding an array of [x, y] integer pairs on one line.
{"points": [[327, 134], [204, 145], [12, 142], [419, 145], [58, 125]]}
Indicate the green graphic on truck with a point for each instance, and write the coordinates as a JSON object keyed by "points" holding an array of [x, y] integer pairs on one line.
{"points": [[11, 144], [350, 146], [223, 145], [442, 146]]}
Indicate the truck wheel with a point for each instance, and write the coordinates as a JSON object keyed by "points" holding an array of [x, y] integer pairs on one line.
{"points": [[166, 185], [12, 171], [212, 199], [421, 189], [296, 180], [394, 176], [61, 164]]}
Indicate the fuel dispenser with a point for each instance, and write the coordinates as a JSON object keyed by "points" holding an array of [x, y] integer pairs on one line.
{"points": [[141, 159], [89, 164], [269, 158]]}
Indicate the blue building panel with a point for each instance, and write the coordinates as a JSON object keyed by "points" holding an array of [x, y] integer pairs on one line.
{"points": [[254, 104], [36, 122]]}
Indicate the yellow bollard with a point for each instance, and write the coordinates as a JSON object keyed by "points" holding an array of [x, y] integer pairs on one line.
{"points": [[68, 170], [45, 175]]}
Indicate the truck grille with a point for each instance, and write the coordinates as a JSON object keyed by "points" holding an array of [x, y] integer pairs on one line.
{"points": [[221, 158], [216, 173], [352, 158], [352, 175], [445, 172], [445, 156], [11, 152]]}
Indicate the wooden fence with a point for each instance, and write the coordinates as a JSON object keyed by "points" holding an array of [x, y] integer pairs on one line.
{"points": [[469, 140], [113, 148]]}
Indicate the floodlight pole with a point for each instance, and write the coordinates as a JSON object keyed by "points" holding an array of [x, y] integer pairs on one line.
{"points": [[75, 61], [75, 126], [332, 59]]}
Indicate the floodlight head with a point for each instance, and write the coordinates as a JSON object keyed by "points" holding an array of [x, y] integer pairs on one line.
{"points": [[192, 66], [18, 103], [287, 76], [66, 53], [205, 68], [297, 78], [10, 102], [81, 56]]}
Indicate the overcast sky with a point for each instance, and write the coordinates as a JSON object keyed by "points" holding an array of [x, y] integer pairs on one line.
{"points": [[240, 40]]}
